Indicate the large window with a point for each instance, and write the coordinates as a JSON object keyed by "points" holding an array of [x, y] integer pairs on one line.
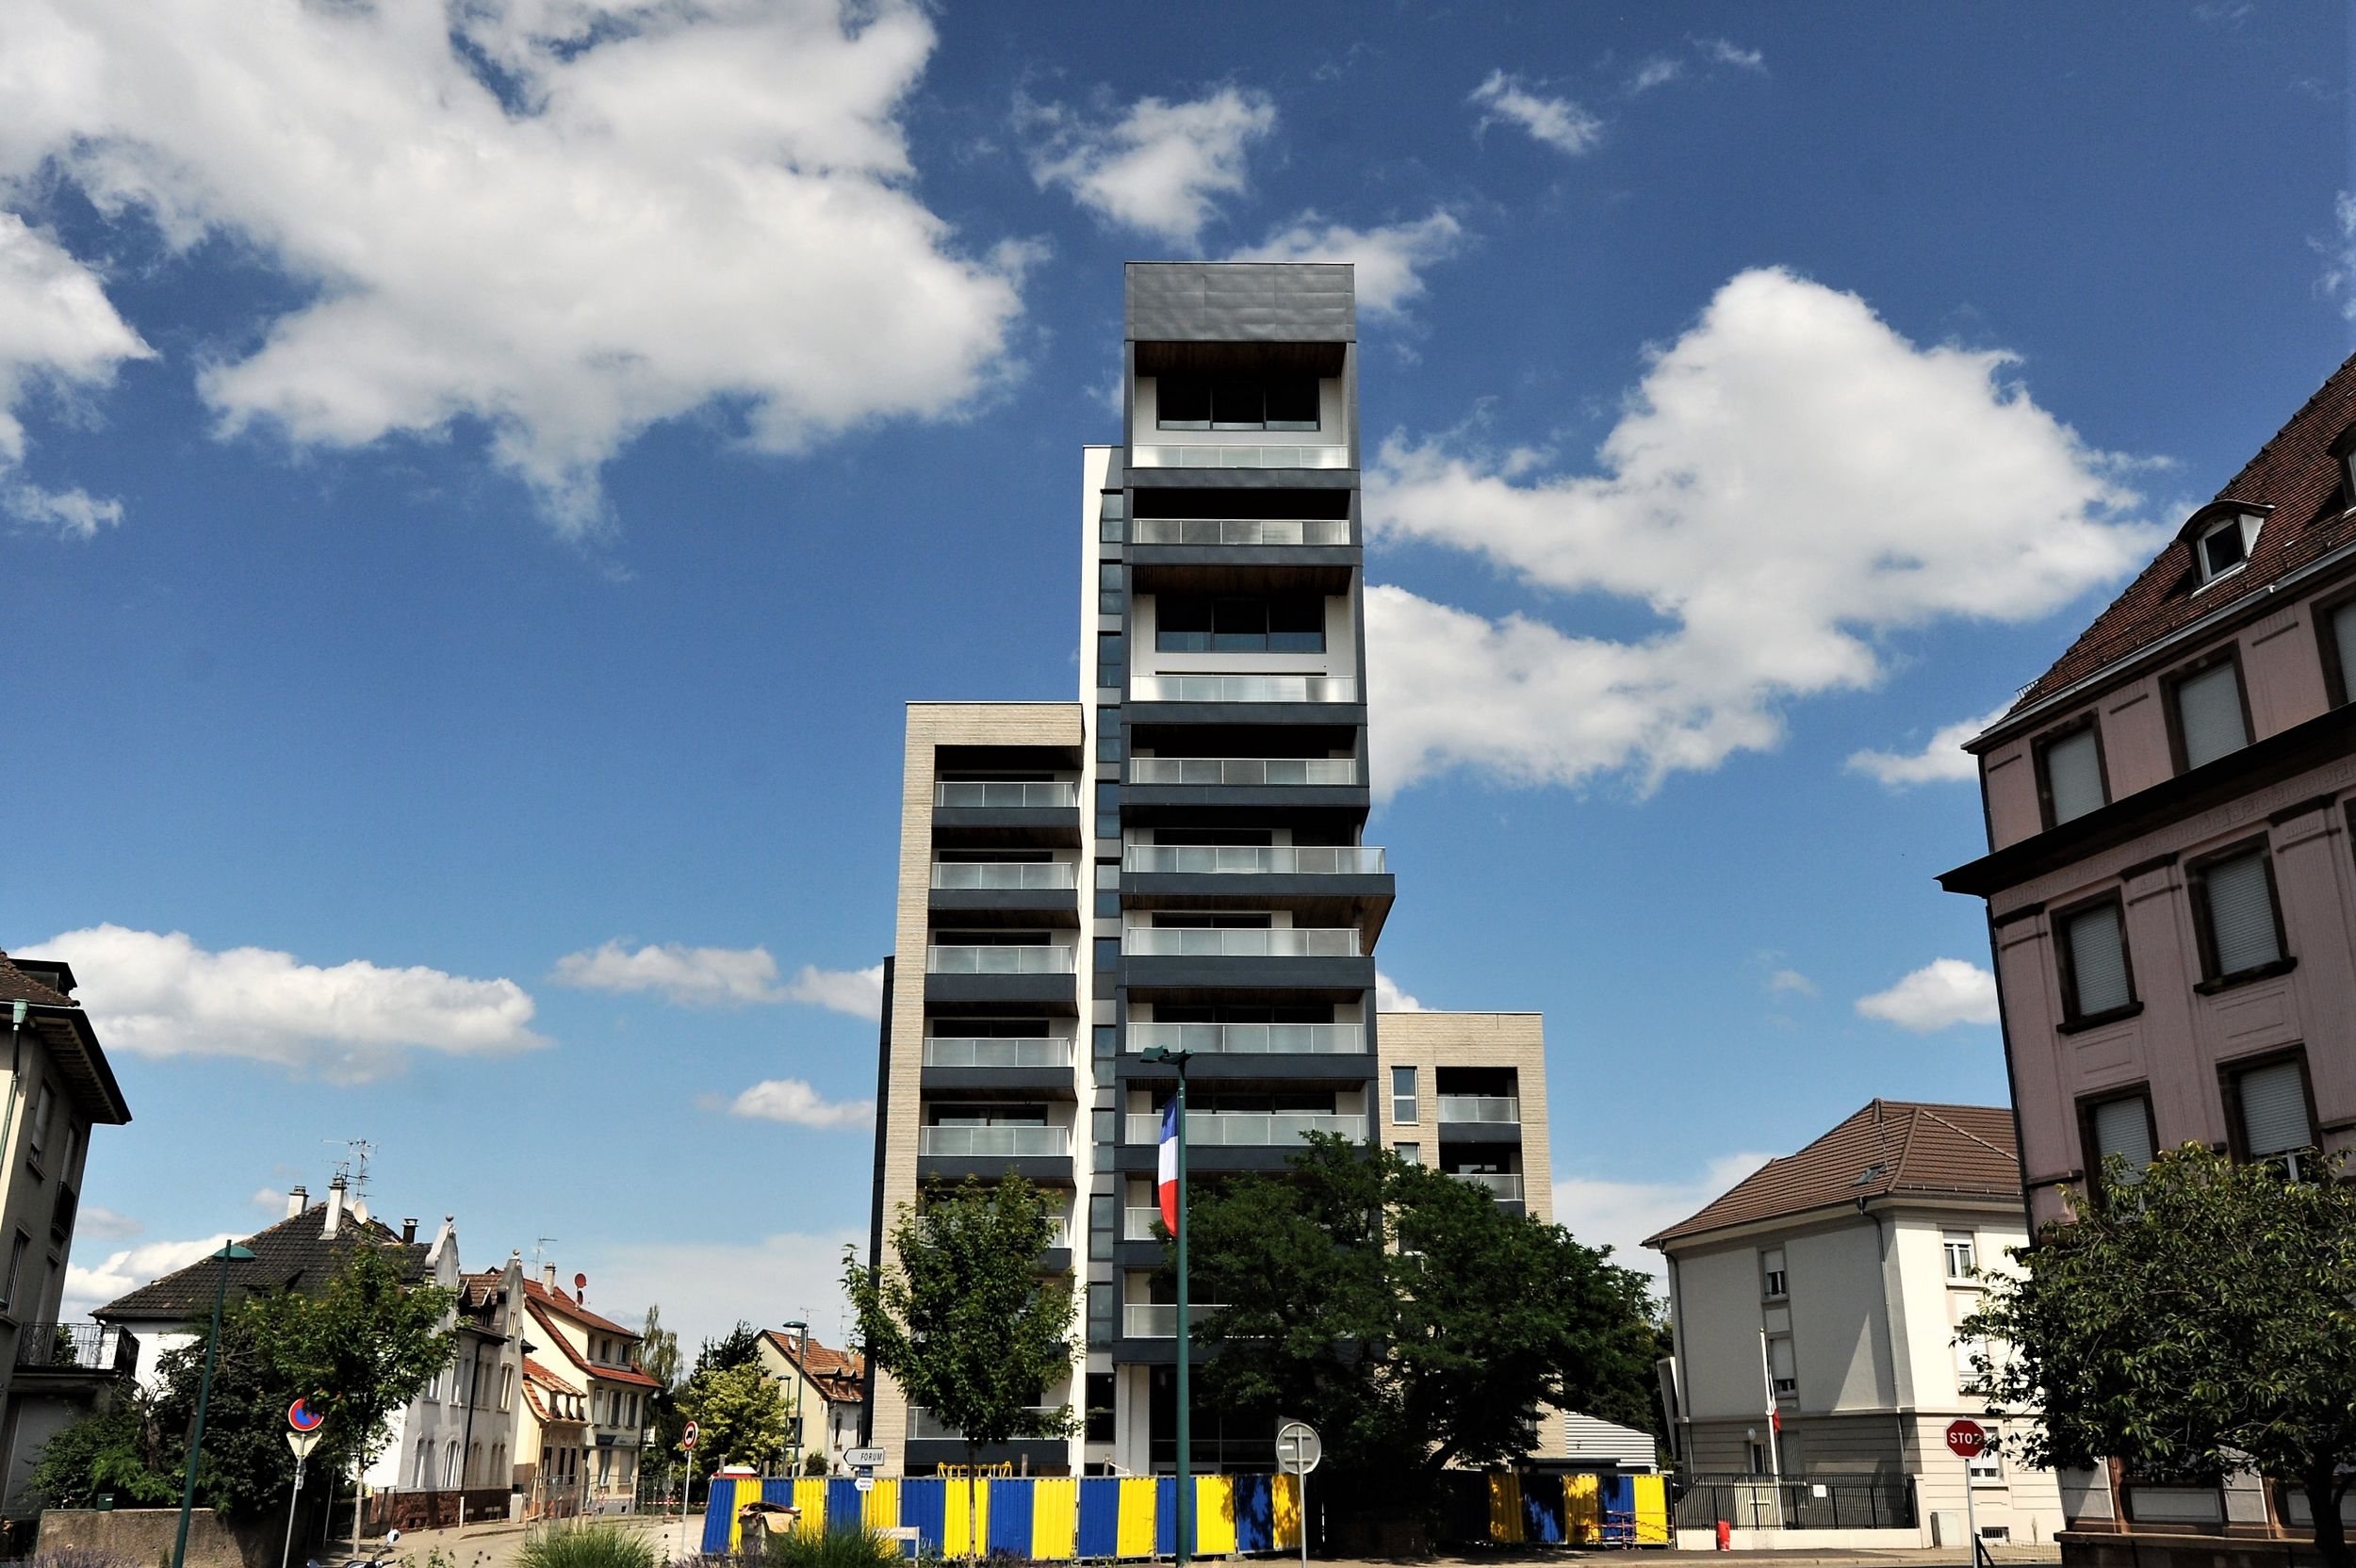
{"points": [[1403, 1095], [2270, 1120], [2120, 1125], [1198, 623], [2206, 712], [1237, 402], [2070, 773], [2096, 981], [2335, 628], [2240, 929], [1962, 1255]]}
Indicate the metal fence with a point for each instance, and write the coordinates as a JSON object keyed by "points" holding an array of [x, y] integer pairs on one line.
{"points": [[1766, 1503], [69, 1347]]}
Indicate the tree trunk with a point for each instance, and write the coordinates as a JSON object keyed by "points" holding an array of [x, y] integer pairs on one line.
{"points": [[2324, 1491], [973, 1547]]}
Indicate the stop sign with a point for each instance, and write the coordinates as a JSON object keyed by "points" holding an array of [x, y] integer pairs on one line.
{"points": [[1965, 1438]]}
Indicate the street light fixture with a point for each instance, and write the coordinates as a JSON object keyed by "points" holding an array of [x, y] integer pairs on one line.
{"points": [[228, 1254], [1164, 1055], [801, 1376]]}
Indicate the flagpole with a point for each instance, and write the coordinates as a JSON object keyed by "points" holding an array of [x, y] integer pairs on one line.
{"points": [[1177, 1131], [1775, 1424]]}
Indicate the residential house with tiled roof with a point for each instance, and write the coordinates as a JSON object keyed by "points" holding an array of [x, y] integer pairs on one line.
{"points": [[59, 1089], [1817, 1364], [2169, 883], [452, 1458], [583, 1353], [825, 1392]]}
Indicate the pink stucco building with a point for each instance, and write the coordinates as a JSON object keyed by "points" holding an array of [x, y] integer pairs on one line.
{"points": [[2170, 888]]}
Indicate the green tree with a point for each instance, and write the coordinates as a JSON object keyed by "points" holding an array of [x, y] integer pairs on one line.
{"points": [[359, 1351], [739, 1414], [2199, 1319], [962, 1318], [1409, 1316], [739, 1347], [658, 1357]]}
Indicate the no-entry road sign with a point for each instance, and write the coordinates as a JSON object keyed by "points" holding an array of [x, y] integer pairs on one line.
{"points": [[687, 1438], [1965, 1438]]}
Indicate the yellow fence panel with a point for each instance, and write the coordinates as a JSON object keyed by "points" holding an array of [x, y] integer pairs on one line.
{"points": [[1214, 1515], [881, 1507], [1288, 1512], [1054, 1518], [1652, 1512], [1505, 1507], [1583, 1510], [955, 1541], [810, 1496], [1137, 1516]]}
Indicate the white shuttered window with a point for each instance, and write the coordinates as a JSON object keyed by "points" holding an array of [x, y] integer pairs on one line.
{"points": [[2074, 776], [2273, 1110], [2123, 1127], [2208, 713], [2097, 961], [2242, 935]]}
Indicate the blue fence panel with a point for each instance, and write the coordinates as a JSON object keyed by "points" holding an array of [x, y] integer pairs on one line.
{"points": [[1542, 1510], [1165, 1518], [719, 1512], [845, 1505], [925, 1508], [1255, 1513], [778, 1489], [1100, 1516], [1010, 1517]]}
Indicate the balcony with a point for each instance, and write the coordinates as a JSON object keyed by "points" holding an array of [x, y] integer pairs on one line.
{"points": [[1029, 1050], [994, 795], [87, 1348], [1251, 1039], [1291, 942], [1242, 688], [925, 1426], [1247, 1129], [1248, 859], [1504, 1186], [1191, 454], [1006, 875], [1240, 530], [1141, 1224], [1159, 1319], [1007, 959], [1012, 1143], [1245, 772], [1490, 1108]]}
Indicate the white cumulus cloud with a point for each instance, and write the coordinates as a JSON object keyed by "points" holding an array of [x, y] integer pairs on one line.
{"points": [[1791, 481], [105, 1223], [856, 991], [1619, 1213], [157, 994], [1941, 760], [1390, 260], [1388, 998], [1157, 167], [58, 333], [564, 221], [694, 977], [705, 1287], [1939, 995], [1558, 122], [2338, 281], [1790, 981], [793, 1101], [124, 1271], [1719, 50]]}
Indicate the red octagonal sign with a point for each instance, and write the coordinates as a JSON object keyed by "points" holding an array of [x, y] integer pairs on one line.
{"points": [[1967, 1438]]}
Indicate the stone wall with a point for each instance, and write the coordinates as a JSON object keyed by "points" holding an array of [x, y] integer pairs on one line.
{"points": [[2149, 1550], [140, 1536]]}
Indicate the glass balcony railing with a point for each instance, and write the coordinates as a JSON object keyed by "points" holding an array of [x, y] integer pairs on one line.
{"points": [[1279, 859], [1247, 1129], [1159, 1319], [925, 1426], [994, 794], [1242, 688], [1194, 455], [997, 1050], [1241, 530], [1272, 1039], [995, 1142], [1006, 875], [1008, 959], [1479, 1107], [1243, 770], [1505, 1186], [1153, 941], [1141, 1224]]}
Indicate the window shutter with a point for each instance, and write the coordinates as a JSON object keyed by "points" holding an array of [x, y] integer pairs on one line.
{"points": [[2344, 639], [2241, 914], [1780, 1356], [2208, 711], [2073, 777], [2121, 1127], [2098, 960], [2273, 1110]]}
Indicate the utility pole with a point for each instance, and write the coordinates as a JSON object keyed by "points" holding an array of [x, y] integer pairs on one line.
{"points": [[228, 1254], [1184, 1512]]}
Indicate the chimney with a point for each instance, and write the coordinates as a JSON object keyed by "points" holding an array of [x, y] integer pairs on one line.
{"points": [[335, 1209], [408, 1229], [547, 1276], [298, 1201]]}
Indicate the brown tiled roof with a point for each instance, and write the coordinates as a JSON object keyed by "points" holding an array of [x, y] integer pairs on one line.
{"points": [[839, 1376], [17, 986], [2295, 474], [535, 1290], [591, 1368], [1892, 1148], [292, 1255]]}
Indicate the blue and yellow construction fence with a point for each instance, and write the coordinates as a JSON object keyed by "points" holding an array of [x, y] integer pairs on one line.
{"points": [[1054, 1518]]}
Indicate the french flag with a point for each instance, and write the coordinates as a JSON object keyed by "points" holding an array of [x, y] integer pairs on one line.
{"points": [[1168, 1166]]}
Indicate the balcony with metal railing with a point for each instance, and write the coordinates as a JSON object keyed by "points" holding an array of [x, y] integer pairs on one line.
{"points": [[1006, 875], [1504, 1186], [1290, 942], [998, 1051], [1009, 959], [1245, 772], [1486, 1108], [1143, 1224], [1255, 859], [1240, 530], [1247, 1129], [1264, 1040], [979, 794], [925, 1426], [1203, 455], [1159, 1319], [1242, 688], [97, 1349], [999, 1142]]}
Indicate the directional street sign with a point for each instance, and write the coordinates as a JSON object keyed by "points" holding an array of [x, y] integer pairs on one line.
{"points": [[302, 1442], [1965, 1438], [302, 1418], [687, 1438], [865, 1483], [872, 1458], [1298, 1449]]}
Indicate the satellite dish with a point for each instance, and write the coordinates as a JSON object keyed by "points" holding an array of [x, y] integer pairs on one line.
{"points": [[581, 1281]]}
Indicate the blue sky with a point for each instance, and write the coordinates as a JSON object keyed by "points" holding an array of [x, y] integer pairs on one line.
{"points": [[476, 486]]}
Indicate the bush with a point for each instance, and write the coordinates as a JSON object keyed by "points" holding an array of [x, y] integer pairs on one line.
{"points": [[860, 1549], [588, 1546]]}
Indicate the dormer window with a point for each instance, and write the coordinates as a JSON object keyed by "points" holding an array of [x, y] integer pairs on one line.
{"points": [[2344, 459], [2222, 540]]}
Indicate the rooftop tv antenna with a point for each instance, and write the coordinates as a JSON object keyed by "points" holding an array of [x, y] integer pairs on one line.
{"points": [[354, 1167], [540, 1251]]}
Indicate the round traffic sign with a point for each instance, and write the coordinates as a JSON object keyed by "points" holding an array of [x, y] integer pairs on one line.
{"points": [[1298, 1449], [301, 1417], [1965, 1438], [687, 1438]]}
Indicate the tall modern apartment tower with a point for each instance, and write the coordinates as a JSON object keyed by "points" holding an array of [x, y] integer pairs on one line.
{"points": [[1177, 859]]}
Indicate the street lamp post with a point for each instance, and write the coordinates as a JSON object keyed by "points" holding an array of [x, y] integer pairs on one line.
{"points": [[228, 1254], [1179, 1059], [801, 1376]]}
